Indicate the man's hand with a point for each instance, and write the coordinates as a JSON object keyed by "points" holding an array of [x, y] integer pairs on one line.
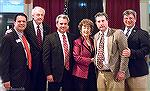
{"points": [[7, 85], [126, 52], [50, 78], [120, 76]]}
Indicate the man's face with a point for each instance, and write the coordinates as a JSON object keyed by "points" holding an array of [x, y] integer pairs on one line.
{"points": [[102, 23], [20, 23], [38, 16], [129, 20], [62, 25]]}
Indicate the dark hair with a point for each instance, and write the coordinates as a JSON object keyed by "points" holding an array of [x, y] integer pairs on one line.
{"points": [[20, 14], [101, 14]]}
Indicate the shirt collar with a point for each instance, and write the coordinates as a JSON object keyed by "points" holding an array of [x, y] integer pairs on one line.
{"points": [[20, 34], [105, 33], [35, 25], [130, 28], [62, 33]]}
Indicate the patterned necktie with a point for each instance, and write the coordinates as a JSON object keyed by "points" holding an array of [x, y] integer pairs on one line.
{"points": [[100, 56], [29, 62], [39, 37], [66, 51], [127, 34]]}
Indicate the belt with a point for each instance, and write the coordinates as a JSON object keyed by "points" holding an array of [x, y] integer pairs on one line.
{"points": [[106, 70]]}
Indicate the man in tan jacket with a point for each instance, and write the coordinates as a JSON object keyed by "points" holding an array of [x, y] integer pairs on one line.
{"points": [[112, 66]]}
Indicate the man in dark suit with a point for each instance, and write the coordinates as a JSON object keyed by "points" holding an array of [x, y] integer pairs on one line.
{"points": [[16, 57], [35, 32], [139, 47], [57, 58]]}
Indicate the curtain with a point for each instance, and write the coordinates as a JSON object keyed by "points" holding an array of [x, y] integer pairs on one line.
{"points": [[115, 8], [80, 9], [52, 9]]}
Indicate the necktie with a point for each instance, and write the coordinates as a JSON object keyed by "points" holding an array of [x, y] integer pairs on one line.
{"points": [[66, 51], [39, 37], [100, 56], [127, 34], [29, 60]]}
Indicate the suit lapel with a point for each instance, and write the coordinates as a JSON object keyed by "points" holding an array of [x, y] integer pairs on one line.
{"points": [[58, 40], [133, 32], [97, 37], [110, 41], [18, 40], [86, 45], [70, 41], [44, 31], [33, 35]]}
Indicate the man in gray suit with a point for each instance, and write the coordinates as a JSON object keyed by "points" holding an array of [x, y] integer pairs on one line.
{"points": [[112, 66]]}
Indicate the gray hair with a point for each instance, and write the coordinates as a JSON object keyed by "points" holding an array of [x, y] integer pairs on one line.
{"points": [[37, 8], [62, 16]]}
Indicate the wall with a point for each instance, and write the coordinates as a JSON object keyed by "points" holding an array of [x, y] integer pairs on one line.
{"points": [[144, 16]]}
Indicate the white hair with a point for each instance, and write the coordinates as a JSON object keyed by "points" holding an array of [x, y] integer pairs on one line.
{"points": [[37, 8]]}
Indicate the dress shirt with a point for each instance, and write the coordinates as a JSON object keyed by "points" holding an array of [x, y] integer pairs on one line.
{"points": [[20, 34], [126, 30], [106, 61], [61, 39], [40, 27]]}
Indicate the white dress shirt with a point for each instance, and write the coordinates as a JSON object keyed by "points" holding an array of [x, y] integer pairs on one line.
{"points": [[40, 27], [61, 39]]}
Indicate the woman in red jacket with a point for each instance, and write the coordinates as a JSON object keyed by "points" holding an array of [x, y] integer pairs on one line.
{"points": [[83, 52]]}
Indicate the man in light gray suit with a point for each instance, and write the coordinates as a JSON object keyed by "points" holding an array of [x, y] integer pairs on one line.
{"points": [[112, 66]]}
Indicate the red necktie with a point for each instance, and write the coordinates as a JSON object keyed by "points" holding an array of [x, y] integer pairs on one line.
{"points": [[100, 56], [66, 51], [39, 37], [27, 51]]}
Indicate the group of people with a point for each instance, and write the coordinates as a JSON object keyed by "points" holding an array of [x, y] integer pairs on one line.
{"points": [[111, 60]]}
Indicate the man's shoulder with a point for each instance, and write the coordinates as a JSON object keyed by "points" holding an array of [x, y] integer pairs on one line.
{"points": [[29, 22], [52, 34], [96, 34], [9, 33], [142, 31], [115, 29]]}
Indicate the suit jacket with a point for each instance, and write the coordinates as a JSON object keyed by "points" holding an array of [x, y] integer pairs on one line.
{"points": [[117, 42], [53, 58], [36, 51], [82, 54], [139, 43], [14, 61]]}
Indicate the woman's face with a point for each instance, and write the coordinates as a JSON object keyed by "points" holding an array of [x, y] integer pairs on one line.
{"points": [[86, 31]]}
